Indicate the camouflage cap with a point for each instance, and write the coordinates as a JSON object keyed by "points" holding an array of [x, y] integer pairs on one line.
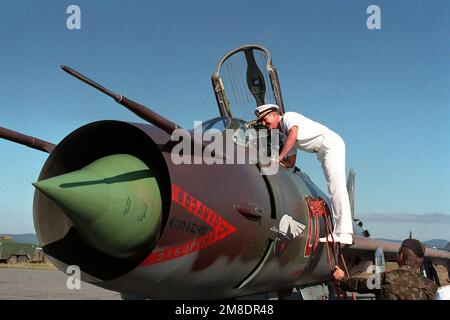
{"points": [[415, 246]]}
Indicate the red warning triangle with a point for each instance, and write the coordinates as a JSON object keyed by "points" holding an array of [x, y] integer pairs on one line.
{"points": [[221, 228]]}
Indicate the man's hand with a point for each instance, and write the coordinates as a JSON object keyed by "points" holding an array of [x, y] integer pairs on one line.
{"points": [[288, 162], [338, 274]]}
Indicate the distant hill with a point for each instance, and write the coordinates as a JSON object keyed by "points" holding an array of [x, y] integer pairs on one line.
{"points": [[397, 241], [23, 238], [438, 244]]}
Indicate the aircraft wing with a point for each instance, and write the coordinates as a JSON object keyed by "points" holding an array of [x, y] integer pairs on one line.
{"points": [[365, 247]]}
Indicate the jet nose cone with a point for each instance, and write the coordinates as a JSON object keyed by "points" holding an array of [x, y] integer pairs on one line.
{"points": [[114, 203]]}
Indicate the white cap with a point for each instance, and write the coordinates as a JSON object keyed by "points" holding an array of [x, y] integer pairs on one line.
{"points": [[265, 109]]}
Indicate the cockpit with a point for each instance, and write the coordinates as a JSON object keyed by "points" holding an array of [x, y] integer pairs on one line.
{"points": [[247, 134]]}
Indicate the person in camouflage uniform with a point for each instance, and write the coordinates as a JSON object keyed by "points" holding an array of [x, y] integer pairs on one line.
{"points": [[404, 283]]}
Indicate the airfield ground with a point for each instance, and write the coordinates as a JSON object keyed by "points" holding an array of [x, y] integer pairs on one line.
{"points": [[44, 282], [37, 284]]}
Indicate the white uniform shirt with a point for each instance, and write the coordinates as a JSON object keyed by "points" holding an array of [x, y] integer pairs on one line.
{"points": [[310, 135]]}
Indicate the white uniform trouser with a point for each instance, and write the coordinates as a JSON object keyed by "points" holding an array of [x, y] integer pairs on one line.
{"points": [[332, 157]]}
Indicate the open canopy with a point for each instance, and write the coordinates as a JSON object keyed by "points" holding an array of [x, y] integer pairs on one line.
{"points": [[245, 79]]}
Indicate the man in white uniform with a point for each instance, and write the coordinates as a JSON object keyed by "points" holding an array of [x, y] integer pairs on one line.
{"points": [[310, 136]]}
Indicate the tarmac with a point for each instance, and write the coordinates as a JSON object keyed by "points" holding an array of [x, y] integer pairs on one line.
{"points": [[26, 284]]}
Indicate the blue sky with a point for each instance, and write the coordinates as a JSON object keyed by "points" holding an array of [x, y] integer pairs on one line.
{"points": [[386, 92]]}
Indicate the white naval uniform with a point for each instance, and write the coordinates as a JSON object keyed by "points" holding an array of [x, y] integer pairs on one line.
{"points": [[330, 149]]}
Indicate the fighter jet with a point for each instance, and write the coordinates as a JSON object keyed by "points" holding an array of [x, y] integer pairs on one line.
{"points": [[111, 200]]}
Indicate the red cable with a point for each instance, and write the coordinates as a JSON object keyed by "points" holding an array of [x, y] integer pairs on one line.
{"points": [[327, 234], [328, 228], [346, 272]]}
